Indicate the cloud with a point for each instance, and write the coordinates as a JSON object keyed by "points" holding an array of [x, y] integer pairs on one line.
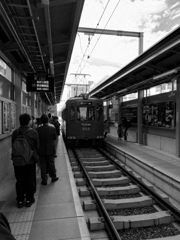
{"points": [[104, 55], [100, 62]]}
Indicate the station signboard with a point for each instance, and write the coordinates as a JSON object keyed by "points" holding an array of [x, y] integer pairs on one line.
{"points": [[35, 83]]}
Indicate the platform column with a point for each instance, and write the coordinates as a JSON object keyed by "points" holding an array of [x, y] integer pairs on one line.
{"points": [[32, 104], [18, 96], [178, 118], [139, 116], [120, 109]]}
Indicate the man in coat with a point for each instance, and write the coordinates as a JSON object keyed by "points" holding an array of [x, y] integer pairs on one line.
{"points": [[47, 137]]}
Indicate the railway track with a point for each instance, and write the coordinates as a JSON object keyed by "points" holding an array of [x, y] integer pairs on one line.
{"points": [[116, 204]]}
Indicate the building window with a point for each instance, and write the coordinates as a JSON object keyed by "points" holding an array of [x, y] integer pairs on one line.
{"points": [[5, 70], [130, 96], [162, 88]]}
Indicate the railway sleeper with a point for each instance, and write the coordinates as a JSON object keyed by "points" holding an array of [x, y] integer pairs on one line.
{"points": [[120, 203], [105, 174], [78, 174], [110, 181], [103, 168], [92, 159], [73, 164], [80, 182], [133, 221], [132, 189], [97, 163], [84, 191], [76, 168]]}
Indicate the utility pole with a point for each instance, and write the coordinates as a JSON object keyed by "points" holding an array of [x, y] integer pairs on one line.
{"points": [[93, 31], [80, 84]]}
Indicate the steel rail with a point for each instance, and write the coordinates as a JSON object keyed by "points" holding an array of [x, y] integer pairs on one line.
{"points": [[112, 232], [163, 203]]}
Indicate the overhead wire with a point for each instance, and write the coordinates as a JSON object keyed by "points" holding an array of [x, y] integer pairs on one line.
{"points": [[101, 34], [91, 38]]}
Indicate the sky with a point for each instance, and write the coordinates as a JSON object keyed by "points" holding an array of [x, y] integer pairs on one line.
{"points": [[101, 56]]}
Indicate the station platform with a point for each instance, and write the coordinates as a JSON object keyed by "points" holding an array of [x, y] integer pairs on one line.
{"points": [[158, 167], [56, 214]]}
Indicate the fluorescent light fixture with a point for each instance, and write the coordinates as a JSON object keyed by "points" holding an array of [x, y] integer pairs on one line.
{"points": [[166, 74]]}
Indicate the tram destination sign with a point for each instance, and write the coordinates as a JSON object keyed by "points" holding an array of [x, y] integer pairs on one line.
{"points": [[39, 84]]}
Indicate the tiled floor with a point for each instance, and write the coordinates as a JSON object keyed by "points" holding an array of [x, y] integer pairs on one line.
{"points": [[57, 212]]}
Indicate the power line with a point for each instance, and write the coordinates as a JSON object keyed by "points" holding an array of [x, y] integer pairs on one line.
{"points": [[92, 36], [101, 33]]}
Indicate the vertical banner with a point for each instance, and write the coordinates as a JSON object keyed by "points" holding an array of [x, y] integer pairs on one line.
{"points": [[13, 116], [6, 117], [0, 117]]}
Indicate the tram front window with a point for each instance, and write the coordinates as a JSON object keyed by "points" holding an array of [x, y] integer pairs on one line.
{"points": [[85, 113]]}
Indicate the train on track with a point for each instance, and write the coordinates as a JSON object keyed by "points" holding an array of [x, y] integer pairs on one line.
{"points": [[83, 121]]}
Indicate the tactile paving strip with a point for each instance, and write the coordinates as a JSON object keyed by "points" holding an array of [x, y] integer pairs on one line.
{"points": [[22, 237], [21, 216], [21, 228]]}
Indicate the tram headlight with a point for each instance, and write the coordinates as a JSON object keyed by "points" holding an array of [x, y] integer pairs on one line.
{"points": [[100, 137], [71, 137]]}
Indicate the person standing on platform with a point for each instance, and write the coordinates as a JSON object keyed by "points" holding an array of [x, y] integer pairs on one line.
{"points": [[125, 125], [25, 173], [119, 131], [106, 128], [47, 136], [56, 124]]}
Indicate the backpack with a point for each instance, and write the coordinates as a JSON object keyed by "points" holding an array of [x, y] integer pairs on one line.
{"points": [[21, 151]]}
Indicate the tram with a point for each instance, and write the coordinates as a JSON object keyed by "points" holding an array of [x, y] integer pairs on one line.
{"points": [[83, 121]]}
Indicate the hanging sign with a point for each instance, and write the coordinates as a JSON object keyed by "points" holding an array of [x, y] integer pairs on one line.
{"points": [[37, 83]]}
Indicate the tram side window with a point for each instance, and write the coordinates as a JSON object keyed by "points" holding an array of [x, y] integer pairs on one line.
{"points": [[99, 113], [91, 113], [72, 114]]}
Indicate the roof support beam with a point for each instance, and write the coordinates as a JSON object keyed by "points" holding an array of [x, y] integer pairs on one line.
{"points": [[29, 6], [57, 2], [48, 27], [11, 27]]}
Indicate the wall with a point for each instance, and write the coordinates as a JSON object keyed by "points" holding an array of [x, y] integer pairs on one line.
{"points": [[159, 137], [5, 156], [161, 143]]}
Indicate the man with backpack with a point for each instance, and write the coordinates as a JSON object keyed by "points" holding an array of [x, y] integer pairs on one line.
{"points": [[25, 145]]}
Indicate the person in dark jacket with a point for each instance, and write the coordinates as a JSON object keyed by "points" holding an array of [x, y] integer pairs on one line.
{"points": [[125, 125], [47, 136], [56, 124], [26, 175], [5, 230]]}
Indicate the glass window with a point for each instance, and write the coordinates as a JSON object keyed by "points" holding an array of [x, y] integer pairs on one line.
{"points": [[81, 113], [130, 96], [161, 114], [5, 70], [24, 87], [72, 114], [85, 113], [99, 113], [91, 113], [162, 88]]}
